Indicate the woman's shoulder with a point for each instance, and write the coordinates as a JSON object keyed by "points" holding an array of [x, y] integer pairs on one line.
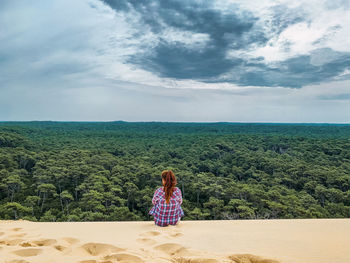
{"points": [[177, 189]]}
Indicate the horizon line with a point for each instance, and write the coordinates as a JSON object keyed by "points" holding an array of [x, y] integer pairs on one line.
{"points": [[199, 122]]}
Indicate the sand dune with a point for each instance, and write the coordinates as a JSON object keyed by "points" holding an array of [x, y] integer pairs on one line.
{"points": [[231, 241]]}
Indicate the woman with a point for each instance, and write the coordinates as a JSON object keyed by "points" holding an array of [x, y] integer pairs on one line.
{"points": [[167, 201]]}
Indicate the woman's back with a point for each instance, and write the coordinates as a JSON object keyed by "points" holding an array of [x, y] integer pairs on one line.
{"points": [[167, 213], [175, 196]]}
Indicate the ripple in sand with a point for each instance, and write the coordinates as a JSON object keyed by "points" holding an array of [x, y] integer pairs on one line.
{"points": [[27, 252], [96, 249], [248, 258], [88, 261], [124, 257]]}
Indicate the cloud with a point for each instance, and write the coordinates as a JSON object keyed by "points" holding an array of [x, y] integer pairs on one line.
{"points": [[321, 66], [102, 101], [345, 96], [226, 54], [174, 58], [174, 61], [335, 4]]}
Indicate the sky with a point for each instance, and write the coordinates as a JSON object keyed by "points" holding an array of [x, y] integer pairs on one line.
{"points": [[175, 60]]}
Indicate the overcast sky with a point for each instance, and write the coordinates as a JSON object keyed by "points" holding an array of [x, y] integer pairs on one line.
{"points": [[167, 60]]}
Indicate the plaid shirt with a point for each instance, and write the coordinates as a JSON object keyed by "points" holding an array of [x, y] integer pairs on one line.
{"points": [[166, 214]]}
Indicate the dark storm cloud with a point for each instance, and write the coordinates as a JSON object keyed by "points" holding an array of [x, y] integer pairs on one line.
{"points": [[233, 30], [229, 31], [197, 17], [294, 72], [176, 61]]}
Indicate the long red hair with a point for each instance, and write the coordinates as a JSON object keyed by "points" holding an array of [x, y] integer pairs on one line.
{"points": [[170, 181]]}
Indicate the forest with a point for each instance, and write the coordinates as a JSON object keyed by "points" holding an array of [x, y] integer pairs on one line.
{"points": [[108, 171]]}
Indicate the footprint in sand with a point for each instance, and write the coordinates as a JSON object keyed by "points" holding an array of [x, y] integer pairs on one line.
{"points": [[16, 229], [150, 234], [180, 254], [65, 244], [96, 249], [18, 235], [195, 260], [1, 233], [123, 257], [173, 249], [167, 234], [38, 243], [248, 258], [177, 234], [26, 244], [17, 261], [146, 241], [60, 248], [27, 252], [71, 240], [11, 242], [44, 242]]}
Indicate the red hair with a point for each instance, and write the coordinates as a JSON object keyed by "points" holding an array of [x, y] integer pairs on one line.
{"points": [[170, 181]]}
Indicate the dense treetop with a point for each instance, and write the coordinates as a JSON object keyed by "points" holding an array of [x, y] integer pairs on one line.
{"points": [[84, 171]]}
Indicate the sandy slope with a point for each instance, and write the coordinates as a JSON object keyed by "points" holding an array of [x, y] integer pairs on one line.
{"points": [[286, 241]]}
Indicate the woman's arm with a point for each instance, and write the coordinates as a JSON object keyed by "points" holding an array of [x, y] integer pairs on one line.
{"points": [[155, 197], [178, 196]]}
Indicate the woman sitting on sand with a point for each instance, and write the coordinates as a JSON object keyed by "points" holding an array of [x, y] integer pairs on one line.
{"points": [[167, 201]]}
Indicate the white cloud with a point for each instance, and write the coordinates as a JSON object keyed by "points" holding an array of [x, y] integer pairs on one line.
{"points": [[330, 26]]}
